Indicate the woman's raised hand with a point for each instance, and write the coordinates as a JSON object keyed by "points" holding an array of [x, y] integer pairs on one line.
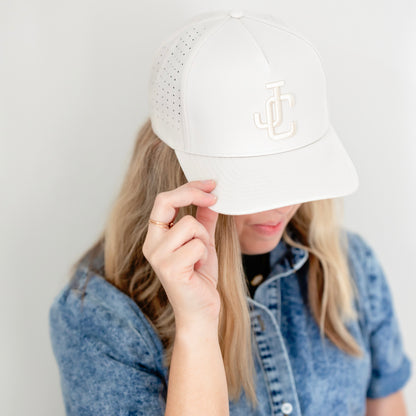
{"points": [[184, 257]]}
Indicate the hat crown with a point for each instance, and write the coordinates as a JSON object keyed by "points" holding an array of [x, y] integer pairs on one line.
{"points": [[235, 84]]}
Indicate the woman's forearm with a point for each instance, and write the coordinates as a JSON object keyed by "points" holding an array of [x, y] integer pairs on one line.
{"points": [[197, 382]]}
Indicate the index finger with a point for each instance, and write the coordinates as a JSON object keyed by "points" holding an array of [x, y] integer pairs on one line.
{"points": [[166, 204]]}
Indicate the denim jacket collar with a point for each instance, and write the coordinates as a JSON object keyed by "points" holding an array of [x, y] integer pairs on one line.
{"points": [[286, 259]]}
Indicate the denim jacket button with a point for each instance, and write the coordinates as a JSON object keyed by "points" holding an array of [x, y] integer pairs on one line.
{"points": [[287, 408]]}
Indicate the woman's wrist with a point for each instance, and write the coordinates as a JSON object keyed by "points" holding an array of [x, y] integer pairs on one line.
{"points": [[207, 330]]}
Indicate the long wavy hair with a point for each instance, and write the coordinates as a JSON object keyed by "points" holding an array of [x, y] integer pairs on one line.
{"points": [[154, 168]]}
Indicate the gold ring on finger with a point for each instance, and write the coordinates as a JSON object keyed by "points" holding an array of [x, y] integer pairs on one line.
{"points": [[165, 225]]}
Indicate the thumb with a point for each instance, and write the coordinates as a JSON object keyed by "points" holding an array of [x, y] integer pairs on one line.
{"points": [[208, 218]]}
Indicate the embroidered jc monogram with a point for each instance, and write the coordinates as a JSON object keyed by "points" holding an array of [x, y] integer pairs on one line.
{"points": [[274, 116]]}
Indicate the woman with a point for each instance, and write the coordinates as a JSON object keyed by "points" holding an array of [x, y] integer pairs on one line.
{"points": [[243, 295]]}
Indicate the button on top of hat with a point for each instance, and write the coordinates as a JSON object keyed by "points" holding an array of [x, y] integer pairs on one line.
{"points": [[237, 14]]}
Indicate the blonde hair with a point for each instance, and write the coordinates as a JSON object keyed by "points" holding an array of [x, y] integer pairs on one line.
{"points": [[154, 168]]}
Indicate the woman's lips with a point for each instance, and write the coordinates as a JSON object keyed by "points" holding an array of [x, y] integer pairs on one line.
{"points": [[268, 228]]}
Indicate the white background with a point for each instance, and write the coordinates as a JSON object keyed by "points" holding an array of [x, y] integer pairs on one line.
{"points": [[73, 79]]}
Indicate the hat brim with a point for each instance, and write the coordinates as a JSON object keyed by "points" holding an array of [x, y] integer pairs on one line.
{"points": [[247, 185]]}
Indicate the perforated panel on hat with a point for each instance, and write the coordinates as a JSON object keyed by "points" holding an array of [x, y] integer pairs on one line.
{"points": [[167, 73]]}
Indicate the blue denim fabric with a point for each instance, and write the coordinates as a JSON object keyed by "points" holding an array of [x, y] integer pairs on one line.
{"points": [[110, 358]]}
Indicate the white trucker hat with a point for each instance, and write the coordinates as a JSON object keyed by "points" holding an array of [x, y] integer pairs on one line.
{"points": [[241, 98]]}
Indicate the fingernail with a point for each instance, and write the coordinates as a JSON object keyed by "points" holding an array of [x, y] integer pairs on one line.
{"points": [[208, 181]]}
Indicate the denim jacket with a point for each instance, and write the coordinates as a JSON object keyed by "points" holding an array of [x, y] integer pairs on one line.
{"points": [[110, 358]]}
